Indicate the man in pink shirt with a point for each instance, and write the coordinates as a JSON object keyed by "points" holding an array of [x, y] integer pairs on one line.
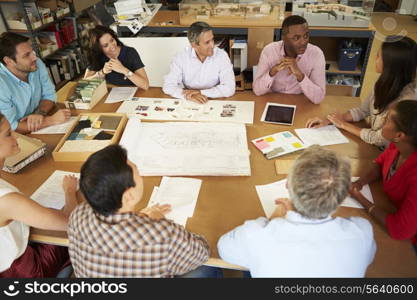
{"points": [[292, 66]]}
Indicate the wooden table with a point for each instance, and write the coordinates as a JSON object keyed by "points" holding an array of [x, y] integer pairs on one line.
{"points": [[226, 202]]}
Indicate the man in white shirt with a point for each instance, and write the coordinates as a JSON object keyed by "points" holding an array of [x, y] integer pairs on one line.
{"points": [[301, 239], [201, 71]]}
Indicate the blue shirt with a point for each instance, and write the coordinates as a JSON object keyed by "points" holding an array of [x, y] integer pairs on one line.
{"points": [[19, 98]]}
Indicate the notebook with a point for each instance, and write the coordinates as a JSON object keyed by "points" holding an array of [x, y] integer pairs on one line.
{"points": [[278, 144], [30, 150]]}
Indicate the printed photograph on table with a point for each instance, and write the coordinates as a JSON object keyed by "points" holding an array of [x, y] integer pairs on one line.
{"points": [[181, 110], [278, 144]]}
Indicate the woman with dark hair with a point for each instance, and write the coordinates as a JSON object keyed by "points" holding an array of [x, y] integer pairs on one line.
{"points": [[110, 59], [397, 167], [396, 62], [19, 258]]}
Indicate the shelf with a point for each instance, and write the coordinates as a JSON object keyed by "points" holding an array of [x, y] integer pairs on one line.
{"points": [[37, 29], [334, 69], [64, 47]]}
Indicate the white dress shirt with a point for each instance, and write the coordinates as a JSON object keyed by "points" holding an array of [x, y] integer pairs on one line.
{"points": [[13, 236], [295, 246], [214, 77]]}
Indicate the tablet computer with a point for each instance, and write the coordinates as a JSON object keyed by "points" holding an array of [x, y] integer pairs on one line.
{"points": [[278, 113]]}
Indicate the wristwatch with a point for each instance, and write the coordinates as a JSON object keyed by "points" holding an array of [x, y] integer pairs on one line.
{"points": [[40, 112], [130, 73]]}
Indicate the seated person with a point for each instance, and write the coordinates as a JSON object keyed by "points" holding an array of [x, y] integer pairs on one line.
{"points": [[109, 237], [203, 69], [20, 259], [108, 58], [396, 61], [397, 168], [302, 239], [292, 66], [27, 94]]}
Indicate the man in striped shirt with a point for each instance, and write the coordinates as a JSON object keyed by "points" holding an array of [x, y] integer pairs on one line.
{"points": [[109, 238]]}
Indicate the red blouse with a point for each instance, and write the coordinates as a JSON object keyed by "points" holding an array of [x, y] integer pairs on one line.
{"points": [[401, 188]]}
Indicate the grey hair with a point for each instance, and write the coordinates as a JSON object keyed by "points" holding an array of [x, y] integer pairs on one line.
{"points": [[195, 30], [318, 182]]}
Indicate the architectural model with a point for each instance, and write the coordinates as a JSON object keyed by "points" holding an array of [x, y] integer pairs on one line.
{"points": [[225, 12], [333, 13]]}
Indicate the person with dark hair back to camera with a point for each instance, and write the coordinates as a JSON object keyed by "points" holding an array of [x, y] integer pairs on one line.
{"points": [[397, 168], [396, 61], [27, 97], [109, 237], [201, 71], [111, 60], [292, 66]]}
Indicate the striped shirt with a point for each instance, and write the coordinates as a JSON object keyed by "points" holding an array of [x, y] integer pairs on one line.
{"points": [[131, 245]]}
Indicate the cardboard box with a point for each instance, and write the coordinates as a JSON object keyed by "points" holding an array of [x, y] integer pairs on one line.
{"points": [[60, 155], [17, 24], [51, 4], [80, 5], [70, 87]]}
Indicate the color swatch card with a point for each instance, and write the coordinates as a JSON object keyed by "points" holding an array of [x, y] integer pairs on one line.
{"points": [[278, 144]]}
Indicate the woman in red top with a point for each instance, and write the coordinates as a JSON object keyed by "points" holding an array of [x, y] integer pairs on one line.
{"points": [[397, 167]]}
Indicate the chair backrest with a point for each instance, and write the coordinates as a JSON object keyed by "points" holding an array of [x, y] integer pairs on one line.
{"points": [[157, 54]]}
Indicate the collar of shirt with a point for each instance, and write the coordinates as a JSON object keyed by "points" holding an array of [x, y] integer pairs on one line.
{"points": [[194, 54], [281, 51], [114, 218], [296, 217], [6, 71], [122, 53]]}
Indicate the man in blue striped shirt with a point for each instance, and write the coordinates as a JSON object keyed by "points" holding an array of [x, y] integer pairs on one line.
{"points": [[27, 95]]}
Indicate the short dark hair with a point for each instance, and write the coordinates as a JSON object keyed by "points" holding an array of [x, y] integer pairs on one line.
{"points": [[292, 20], [405, 118], [196, 29], [105, 176], [8, 44], [94, 52]]}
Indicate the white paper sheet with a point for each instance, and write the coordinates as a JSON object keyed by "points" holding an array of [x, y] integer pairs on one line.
{"points": [[323, 136], [50, 193], [118, 94], [187, 148], [57, 129], [268, 193], [181, 193], [184, 110]]}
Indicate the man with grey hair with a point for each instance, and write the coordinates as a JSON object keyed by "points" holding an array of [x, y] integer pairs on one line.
{"points": [[201, 71], [301, 239]]}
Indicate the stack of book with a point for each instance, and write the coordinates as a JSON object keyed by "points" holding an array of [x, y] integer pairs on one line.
{"points": [[65, 64]]}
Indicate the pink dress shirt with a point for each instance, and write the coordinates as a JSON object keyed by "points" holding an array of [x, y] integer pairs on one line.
{"points": [[311, 63], [214, 77]]}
